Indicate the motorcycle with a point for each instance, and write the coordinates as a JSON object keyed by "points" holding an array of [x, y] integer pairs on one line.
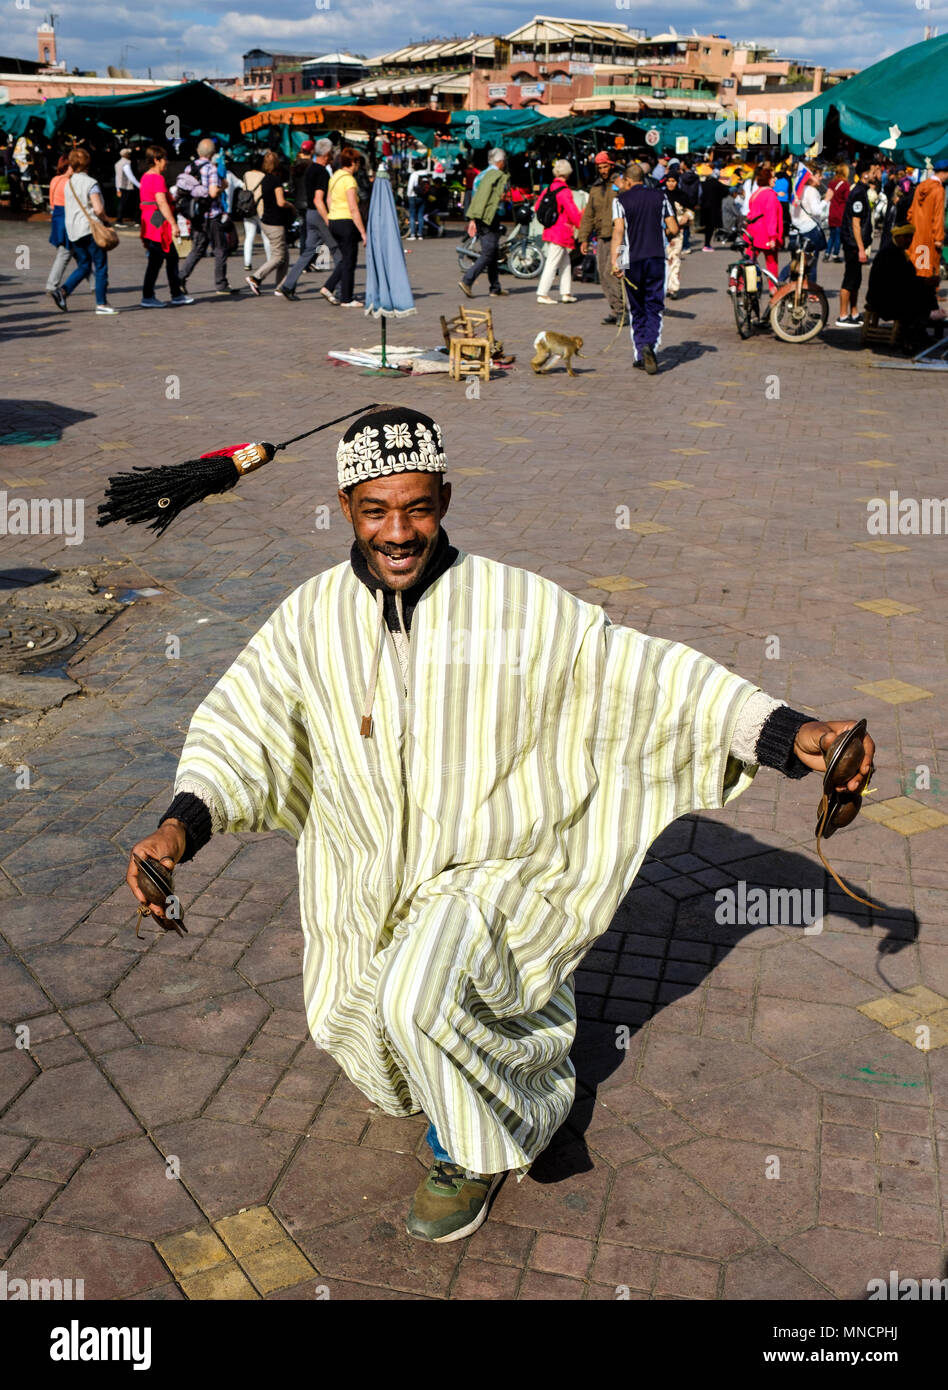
{"points": [[518, 250], [798, 310]]}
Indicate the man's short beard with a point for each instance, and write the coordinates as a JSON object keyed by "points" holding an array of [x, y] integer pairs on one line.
{"points": [[369, 554]]}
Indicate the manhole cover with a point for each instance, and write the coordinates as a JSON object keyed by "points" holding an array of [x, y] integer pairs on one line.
{"points": [[25, 637]]}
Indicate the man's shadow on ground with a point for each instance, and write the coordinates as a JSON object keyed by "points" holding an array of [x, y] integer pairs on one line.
{"points": [[595, 1052]]}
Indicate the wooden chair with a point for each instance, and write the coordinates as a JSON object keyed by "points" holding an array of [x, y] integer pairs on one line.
{"points": [[469, 357]]}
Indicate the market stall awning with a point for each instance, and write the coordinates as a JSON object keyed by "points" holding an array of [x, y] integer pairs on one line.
{"points": [[349, 115], [198, 108], [900, 103]]}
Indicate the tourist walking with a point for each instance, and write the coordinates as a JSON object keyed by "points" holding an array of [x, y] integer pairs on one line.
{"points": [[347, 228], [253, 178], [84, 201], [274, 211], [484, 222], [201, 182], [57, 231], [159, 230], [316, 231], [560, 237]]}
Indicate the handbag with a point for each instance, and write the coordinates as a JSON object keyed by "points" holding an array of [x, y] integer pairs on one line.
{"points": [[105, 237]]}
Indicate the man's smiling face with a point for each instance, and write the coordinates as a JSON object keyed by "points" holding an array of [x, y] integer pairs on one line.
{"points": [[396, 521]]}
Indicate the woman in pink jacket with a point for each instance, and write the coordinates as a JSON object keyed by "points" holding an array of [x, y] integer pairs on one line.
{"points": [[767, 231], [559, 238]]}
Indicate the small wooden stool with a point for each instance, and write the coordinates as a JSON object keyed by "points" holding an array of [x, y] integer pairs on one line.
{"points": [[874, 331], [469, 357]]}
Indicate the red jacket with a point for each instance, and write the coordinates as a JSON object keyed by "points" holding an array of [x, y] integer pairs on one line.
{"points": [[561, 233]]}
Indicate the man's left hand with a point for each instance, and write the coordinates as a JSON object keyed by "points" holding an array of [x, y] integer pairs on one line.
{"points": [[813, 740]]}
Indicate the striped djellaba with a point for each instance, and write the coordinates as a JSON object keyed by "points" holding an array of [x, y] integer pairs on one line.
{"points": [[455, 866]]}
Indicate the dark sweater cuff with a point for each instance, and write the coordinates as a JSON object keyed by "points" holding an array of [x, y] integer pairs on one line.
{"points": [[196, 819], [775, 741]]}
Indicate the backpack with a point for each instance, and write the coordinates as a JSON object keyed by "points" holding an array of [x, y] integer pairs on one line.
{"points": [[196, 203], [547, 209], [244, 204]]}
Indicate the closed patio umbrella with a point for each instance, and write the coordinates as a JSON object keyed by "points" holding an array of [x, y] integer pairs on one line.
{"points": [[387, 288]]}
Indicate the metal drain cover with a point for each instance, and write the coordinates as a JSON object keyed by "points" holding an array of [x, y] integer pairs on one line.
{"points": [[26, 636]]}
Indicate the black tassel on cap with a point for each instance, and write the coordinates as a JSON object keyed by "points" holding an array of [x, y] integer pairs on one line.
{"points": [[158, 495]]}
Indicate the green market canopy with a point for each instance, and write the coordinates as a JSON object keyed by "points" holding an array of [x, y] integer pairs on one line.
{"points": [[900, 103], [198, 108]]}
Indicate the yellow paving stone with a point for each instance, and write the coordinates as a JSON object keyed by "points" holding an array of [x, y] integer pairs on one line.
{"points": [[879, 547], [278, 1267], [250, 1230], [39, 359], [885, 607], [925, 1000], [873, 434], [894, 692], [107, 385], [727, 383], [707, 424], [865, 410], [616, 583], [241, 395], [116, 444], [874, 463], [225, 1282], [192, 1251], [690, 452], [906, 817], [891, 1010], [937, 1033], [471, 472], [644, 528], [512, 439], [670, 484]]}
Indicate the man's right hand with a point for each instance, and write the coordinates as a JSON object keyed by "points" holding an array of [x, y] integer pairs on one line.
{"points": [[584, 248], [472, 230], [166, 844]]}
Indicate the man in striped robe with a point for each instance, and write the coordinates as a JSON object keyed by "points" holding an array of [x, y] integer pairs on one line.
{"points": [[473, 764]]}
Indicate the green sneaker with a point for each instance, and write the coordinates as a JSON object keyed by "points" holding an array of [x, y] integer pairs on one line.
{"points": [[450, 1202]]}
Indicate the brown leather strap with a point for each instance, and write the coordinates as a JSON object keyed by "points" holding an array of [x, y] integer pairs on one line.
{"points": [[828, 867]]}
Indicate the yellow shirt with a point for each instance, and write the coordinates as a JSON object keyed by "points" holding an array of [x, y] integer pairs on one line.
{"points": [[339, 183]]}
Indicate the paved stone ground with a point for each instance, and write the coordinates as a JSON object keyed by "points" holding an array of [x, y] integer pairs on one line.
{"points": [[748, 1050]]}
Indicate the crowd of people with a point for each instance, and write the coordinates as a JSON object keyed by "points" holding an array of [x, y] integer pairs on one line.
{"points": [[326, 191], [616, 231]]}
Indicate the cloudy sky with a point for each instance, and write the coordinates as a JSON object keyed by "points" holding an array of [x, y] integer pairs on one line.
{"points": [[208, 37]]}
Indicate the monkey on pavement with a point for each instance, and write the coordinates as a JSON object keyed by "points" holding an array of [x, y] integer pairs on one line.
{"points": [[550, 346]]}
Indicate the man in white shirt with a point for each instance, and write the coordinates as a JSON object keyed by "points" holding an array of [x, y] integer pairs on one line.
{"points": [[126, 189]]}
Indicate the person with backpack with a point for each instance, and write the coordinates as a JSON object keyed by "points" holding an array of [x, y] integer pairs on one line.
{"points": [[484, 222], [558, 215], [201, 187], [248, 208]]}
